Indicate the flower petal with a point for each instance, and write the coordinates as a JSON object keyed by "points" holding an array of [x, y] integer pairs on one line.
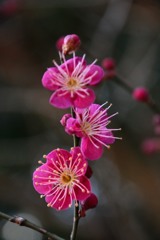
{"points": [[70, 64], [73, 127], [109, 139], [57, 156], [40, 179], [79, 163], [89, 150], [85, 101], [61, 99], [60, 200], [49, 79], [82, 191], [99, 73]]}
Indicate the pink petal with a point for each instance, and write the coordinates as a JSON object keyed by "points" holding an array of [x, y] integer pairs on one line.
{"points": [[62, 202], [90, 151], [98, 76], [49, 79], [69, 66], [59, 100], [109, 139], [53, 156], [78, 161], [73, 127], [84, 190], [85, 101], [93, 108], [40, 178]]}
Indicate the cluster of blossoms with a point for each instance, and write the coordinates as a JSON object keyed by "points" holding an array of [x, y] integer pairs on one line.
{"points": [[64, 177]]}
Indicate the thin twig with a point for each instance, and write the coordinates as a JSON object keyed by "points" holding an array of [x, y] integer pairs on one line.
{"points": [[150, 103], [24, 222], [76, 207], [75, 222]]}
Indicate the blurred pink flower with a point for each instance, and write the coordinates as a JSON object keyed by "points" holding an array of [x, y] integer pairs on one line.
{"points": [[70, 82], [62, 178], [151, 145], [90, 125], [141, 94]]}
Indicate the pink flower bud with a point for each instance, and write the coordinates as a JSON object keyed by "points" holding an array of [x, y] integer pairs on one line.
{"points": [[90, 202], [64, 119], [59, 43], [71, 43], [108, 64], [89, 172], [141, 94]]}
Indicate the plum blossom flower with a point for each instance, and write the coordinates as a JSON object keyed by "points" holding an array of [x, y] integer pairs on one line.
{"points": [[62, 178], [70, 81], [90, 124]]}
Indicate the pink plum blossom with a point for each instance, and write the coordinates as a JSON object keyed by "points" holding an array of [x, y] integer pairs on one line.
{"points": [[70, 81], [61, 179], [90, 124]]}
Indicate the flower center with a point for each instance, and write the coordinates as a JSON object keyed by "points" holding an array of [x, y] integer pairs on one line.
{"points": [[66, 178], [71, 83], [86, 128]]}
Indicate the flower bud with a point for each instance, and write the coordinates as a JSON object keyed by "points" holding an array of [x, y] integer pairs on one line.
{"points": [[90, 202], [71, 43], [141, 94], [108, 64], [64, 119]]}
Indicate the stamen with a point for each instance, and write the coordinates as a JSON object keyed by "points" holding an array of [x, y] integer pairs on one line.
{"points": [[40, 162]]}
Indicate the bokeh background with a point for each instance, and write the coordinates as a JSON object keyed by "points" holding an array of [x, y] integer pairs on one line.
{"points": [[126, 180]]}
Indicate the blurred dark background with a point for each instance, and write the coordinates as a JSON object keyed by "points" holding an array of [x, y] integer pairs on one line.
{"points": [[126, 180]]}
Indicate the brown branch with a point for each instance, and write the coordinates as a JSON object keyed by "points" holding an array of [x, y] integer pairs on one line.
{"points": [[75, 221], [24, 222]]}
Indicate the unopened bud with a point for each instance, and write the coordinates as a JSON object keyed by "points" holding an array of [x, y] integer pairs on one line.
{"points": [[141, 94], [90, 202], [64, 119], [71, 43], [108, 64]]}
